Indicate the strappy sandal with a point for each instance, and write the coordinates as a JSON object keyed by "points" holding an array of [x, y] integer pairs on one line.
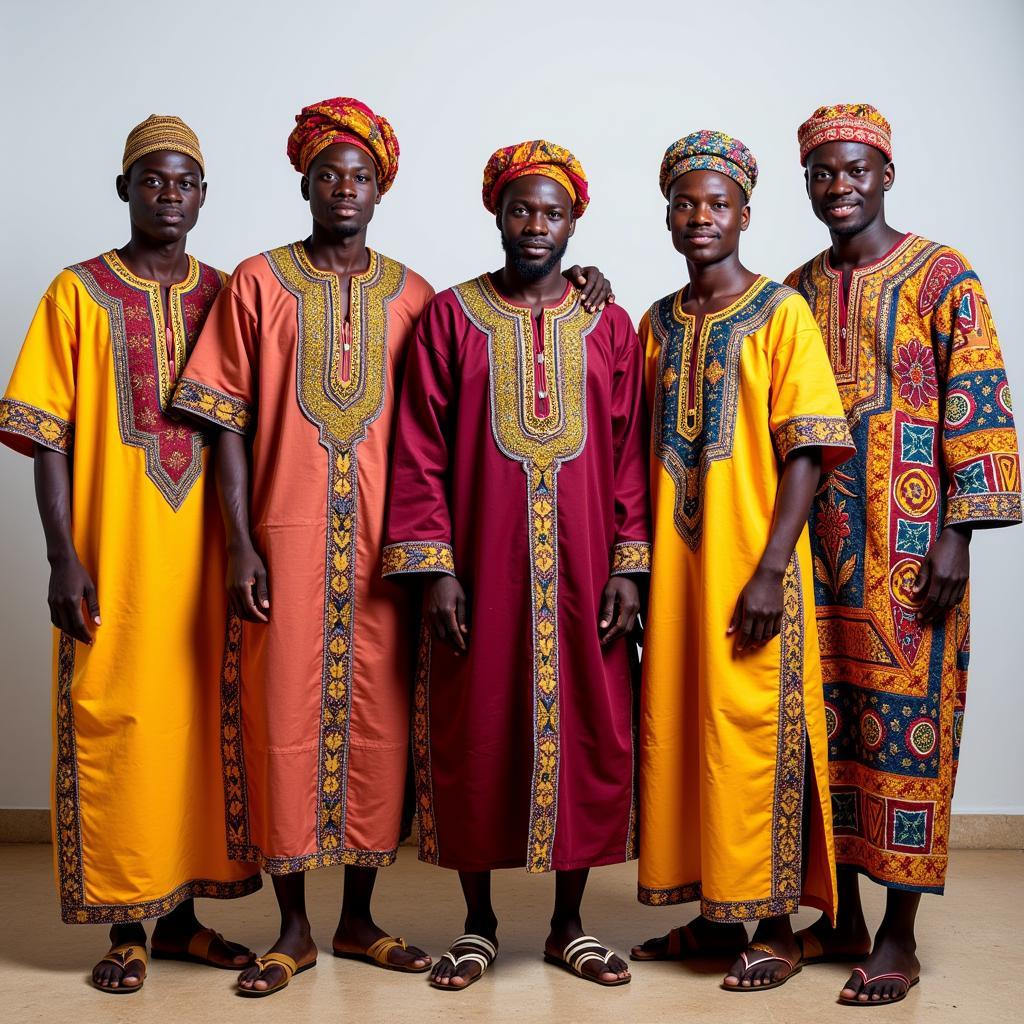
{"points": [[813, 952], [377, 954], [683, 944], [581, 951], [198, 951], [748, 963], [879, 977], [288, 966], [123, 955], [482, 952]]}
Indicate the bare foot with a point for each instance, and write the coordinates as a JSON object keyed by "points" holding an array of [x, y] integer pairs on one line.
{"points": [[357, 935]]}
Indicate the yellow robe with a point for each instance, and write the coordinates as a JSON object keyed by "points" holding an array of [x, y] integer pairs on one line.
{"points": [[139, 806], [725, 739]]}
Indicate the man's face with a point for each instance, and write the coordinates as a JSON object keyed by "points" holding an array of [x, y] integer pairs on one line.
{"points": [[846, 183], [706, 213], [536, 223], [164, 192], [341, 187]]}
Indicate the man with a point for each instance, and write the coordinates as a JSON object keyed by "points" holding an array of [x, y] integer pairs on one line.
{"points": [[914, 351], [130, 518], [733, 767], [301, 356], [519, 494]]}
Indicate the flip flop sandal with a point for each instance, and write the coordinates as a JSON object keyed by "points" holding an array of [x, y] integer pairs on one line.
{"points": [[482, 952], [287, 965], [198, 951], [813, 952], [880, 977], [377, 955], [684, 945], [748, 963], [581, 951], [123, 955]]}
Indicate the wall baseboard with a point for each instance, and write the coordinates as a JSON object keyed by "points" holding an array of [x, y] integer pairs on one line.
{"points": [[968, 831]]}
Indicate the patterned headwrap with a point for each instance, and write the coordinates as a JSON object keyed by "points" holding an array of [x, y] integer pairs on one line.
{"points": [[845, 122], [344, 119], [535, 157], [161, 132], [709, 151]]}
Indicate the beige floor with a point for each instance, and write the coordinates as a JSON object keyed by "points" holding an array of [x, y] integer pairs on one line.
{"points": [[970, 947]]}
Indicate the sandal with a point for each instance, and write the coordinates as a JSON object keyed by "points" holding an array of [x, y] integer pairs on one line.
{"points": [[287, 965], [377, 954], [482, 952], [683, 944], [581, 951], [880, 977], [123, 955], [748, 963], [813, 952], [198, 951]]}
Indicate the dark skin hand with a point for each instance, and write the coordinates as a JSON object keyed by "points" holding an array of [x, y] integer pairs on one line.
{"points": [[71, 587], [942, 579], [758, 614]]}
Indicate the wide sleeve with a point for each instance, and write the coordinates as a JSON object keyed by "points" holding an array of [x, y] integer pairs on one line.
{"points": [[805, 408], [219, 381], [979, 441], [39, 404], [419, 533], [631, 551]]}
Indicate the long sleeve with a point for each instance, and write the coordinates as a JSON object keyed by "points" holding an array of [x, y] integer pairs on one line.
{"points": [[419, 536], [979, 441], [39, 404], [219, 380], [806, 409], [631, 442]]}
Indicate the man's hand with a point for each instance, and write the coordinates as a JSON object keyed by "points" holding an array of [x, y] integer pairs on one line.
{"points": [[758, 614], [446, 612], [247, 583], [596, 290], [620, 604], [943, 575], [70, 585]]}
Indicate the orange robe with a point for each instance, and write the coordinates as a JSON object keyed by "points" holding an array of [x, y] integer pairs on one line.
{"points": [[315, 704]]}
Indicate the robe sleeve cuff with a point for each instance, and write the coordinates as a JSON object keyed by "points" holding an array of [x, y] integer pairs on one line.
{"points": [[1000, 508], [413, 556], [27, 425], [631, 556], [224, 411], [829, 433]]}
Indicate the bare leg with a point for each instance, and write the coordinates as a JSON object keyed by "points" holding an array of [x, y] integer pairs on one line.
{"points": [[850, 937], [480, 920], [295, 939]]}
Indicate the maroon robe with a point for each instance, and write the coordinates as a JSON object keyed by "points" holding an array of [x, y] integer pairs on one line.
{"points": [[521, 468]]}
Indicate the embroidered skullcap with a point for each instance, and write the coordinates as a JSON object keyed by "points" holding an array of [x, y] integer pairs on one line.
{"points": [[535, 157], [709, 151], [344, 119], [161, 132], [845, 122]]}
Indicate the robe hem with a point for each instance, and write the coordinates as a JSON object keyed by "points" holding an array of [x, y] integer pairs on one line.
{"points": [[620, 857], [931, 890], [126, 913], [730, 911], [312, 861]]}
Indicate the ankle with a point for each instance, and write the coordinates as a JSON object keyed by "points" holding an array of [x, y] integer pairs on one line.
{"points": [[360, 917], [482, 924]]}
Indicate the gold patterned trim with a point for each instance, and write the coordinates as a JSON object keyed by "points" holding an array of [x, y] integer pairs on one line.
{"points": [[790, 771], [341, 389], [422, 777], [68, 830], [812, 431], [538, 419], [208, 403], [313, 861], [36, 425], [998, 507], [630, 556], [418, 556]]}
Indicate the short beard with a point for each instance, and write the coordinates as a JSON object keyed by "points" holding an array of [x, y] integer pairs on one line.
{"points": [[529, 270], [347, 231]]}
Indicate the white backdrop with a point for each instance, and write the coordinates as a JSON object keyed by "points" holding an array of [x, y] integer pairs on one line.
{"points": [[615, 83]]}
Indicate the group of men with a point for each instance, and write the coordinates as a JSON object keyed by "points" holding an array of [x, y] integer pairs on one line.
{"points": [[445, 516]]}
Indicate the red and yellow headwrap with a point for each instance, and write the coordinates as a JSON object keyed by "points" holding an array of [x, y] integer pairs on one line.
{"points": [[845, 122], [535, 157], [344, 119]]}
